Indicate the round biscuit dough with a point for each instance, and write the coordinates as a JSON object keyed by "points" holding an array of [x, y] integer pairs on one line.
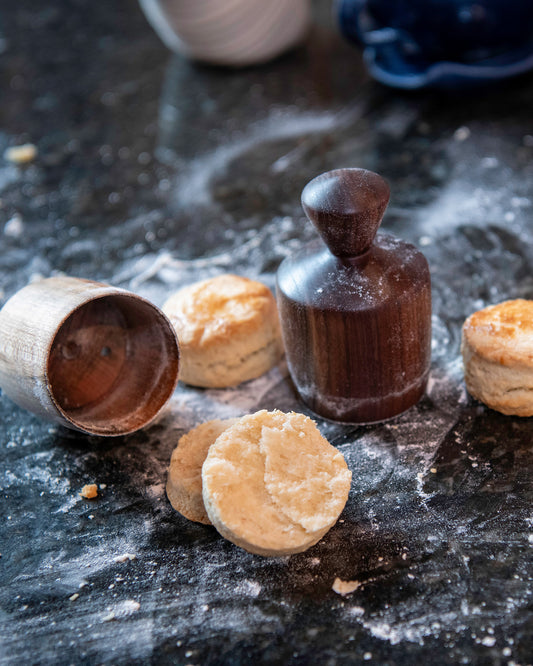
{"points": [[273, 485], [184, 482]]}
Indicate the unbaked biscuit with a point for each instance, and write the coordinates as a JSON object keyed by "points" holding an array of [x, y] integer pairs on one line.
{"points": [[228, 330], [184, 482], [497, 349], [273, 485]]}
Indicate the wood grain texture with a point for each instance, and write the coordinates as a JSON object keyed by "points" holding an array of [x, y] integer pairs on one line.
{"points": [[92, 357], [346, 207], [236, 34], [356, 318], [357, 337]]}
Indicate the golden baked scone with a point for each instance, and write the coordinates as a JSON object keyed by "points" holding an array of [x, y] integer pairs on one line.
{"points": [[497, 349], [273, 485], [184, 482], [228, 330]]}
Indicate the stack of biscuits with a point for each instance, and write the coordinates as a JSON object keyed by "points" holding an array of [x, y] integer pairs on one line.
{"points": [[269, 482]]}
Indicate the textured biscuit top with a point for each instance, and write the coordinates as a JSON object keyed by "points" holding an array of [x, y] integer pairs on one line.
{"points": [[502, 333], [272, 484], [209, 311]]}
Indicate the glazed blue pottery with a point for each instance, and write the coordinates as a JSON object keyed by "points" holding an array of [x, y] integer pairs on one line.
{"points": [[440, 43]]}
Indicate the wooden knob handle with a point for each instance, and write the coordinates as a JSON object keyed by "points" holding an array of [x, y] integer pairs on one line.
{"points": [[346, 207]]}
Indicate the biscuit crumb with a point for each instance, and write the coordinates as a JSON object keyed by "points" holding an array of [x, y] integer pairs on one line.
{"points": [[123, 558], [130, 606], [344, 587], [74, 597], [23, 154], [89, 491]]}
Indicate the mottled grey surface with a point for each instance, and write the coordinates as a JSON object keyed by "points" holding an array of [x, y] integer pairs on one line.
{"points": [[153, 172]]}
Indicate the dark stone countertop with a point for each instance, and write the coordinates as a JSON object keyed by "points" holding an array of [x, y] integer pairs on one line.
{"points": [[153, 172]]}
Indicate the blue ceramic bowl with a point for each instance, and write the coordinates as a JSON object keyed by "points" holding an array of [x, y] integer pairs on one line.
{"points": [[441, 43]]}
